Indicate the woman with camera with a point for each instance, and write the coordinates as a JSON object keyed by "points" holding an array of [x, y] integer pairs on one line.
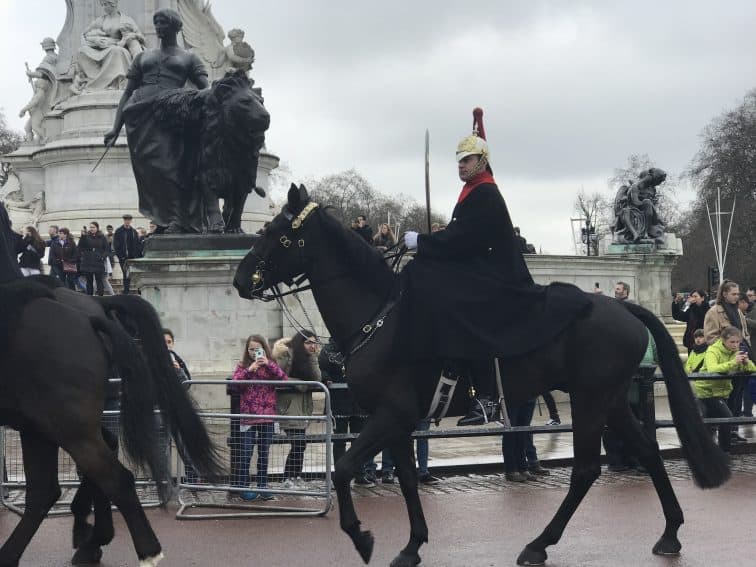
{"points": [[259, 400], [691, 311]]}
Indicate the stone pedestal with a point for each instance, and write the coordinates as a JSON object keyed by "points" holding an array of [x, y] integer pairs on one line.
{"points": [[188, 279], [647, 272]]}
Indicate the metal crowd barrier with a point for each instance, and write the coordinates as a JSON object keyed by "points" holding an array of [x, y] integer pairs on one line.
{"points": [[311, 495], [13, 484]]}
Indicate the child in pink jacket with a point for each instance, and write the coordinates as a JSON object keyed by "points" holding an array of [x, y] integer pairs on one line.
{"points": [[258, 400]]}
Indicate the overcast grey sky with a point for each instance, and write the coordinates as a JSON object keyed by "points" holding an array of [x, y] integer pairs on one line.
{"points": [[569, 89]]}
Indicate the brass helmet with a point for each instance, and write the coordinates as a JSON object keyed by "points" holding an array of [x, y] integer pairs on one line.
{"points": [[475, 144]]}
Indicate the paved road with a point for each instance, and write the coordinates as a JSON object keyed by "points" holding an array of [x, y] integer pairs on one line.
{"points": [[476, 521]]}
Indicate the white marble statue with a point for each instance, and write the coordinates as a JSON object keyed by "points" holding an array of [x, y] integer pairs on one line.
{"points": [[237, 55], [109, 45], [203, 35], [44, 84], [21, 212]]}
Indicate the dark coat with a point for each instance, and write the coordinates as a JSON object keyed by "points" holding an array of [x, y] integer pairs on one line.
{"points": [[694, 318], [92, 252], [126, 243], [60, 253], [31, 254], [365, 232], [49, 244], [469, 294]]}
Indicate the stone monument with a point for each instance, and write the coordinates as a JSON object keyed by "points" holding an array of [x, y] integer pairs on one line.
{"points": [[76, 90]]}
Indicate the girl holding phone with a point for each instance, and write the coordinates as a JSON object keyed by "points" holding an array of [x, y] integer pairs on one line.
{"points": [[259, 400]]}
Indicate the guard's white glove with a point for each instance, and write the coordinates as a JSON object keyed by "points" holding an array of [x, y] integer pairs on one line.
{"points": [[410, 239]]}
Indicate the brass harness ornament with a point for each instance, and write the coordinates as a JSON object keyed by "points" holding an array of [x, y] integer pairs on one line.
{"points": [[257, 277]]}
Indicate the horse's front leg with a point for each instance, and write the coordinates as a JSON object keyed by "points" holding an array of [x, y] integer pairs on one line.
{"points": [[404, 461], [378, 431], [42, 491]]}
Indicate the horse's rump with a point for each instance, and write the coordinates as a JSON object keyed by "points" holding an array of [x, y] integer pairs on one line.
{"points": [[480, 316], [14, 296]]}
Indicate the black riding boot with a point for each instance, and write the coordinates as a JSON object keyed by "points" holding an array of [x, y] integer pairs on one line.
{"points": [[484, 405], [482, 410]]}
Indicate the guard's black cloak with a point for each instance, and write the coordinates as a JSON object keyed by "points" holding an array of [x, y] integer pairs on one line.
{"points": [[468, 293]]}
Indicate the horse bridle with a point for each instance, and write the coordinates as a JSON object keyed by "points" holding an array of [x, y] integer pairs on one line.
{"points": [[286, 240]]}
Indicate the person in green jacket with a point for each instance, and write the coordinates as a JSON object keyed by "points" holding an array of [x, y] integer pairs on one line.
{"points": [[696, 355], [722, 357]]}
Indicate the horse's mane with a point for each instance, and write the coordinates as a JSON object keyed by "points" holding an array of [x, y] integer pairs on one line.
{"points": [[228, 151], [370, 268]]}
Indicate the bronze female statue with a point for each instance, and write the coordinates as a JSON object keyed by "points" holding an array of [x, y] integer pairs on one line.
{"points": [[188, 147], [161, 150]]}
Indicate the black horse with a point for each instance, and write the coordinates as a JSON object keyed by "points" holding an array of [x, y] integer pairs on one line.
{"points": [[594, 360], [52, 392]]}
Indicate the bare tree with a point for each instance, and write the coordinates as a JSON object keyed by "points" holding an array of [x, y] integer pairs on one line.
{"points": [[350, 195], [726, 163], [595, 209], [9, 142]]}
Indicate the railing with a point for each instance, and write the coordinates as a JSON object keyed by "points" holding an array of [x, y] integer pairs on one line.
{"points": [[13, 484], [280, 495]]}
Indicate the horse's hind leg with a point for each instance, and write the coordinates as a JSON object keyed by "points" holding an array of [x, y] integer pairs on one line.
{"points": [[404, 461], [96, 461], [42, 491], [88, 539], [627, 426], [588, 420]]}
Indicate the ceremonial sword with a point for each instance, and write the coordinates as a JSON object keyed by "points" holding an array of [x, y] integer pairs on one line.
{"points": [[427, 179]]}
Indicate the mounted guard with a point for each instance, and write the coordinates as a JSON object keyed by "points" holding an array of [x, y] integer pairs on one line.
{"points": [[469, 295]]}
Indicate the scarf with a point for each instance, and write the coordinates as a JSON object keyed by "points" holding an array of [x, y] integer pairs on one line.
{"points": [[479, 179], [733, 314], [698, 349]]}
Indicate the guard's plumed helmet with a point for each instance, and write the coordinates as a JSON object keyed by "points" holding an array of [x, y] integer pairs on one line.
{"points": [[475, 144]]}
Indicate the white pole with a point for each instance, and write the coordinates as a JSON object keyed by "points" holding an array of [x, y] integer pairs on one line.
{"points": [[727, 243]]}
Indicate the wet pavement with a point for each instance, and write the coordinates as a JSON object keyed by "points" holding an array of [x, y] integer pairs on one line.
{"points": [[474, 520]]}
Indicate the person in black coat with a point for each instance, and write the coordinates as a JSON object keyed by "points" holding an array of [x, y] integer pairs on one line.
{"points": [[31, 250], [691, 311], [63, 257], [469, 296], [127, 247], [93, 249]]}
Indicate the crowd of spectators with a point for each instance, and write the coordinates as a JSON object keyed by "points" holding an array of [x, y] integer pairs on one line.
{"points": [[85, 263], [718, 337]]}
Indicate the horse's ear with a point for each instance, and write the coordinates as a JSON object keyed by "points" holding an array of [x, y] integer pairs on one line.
{"points": [[295, 202], [304, 195]]}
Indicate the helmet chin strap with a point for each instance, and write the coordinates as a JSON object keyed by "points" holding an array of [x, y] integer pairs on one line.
{"points": [[479, 167]]}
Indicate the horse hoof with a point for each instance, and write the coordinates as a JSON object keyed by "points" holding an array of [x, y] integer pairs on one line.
{"points": [[87, 556], [82, 533], [530, 556], [405, 560], [364, 544], [151, 561], [667, 546]]}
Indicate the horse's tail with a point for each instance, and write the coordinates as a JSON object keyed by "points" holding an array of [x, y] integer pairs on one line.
{"points": [[709, 464], [138, 426], [180, 411]]}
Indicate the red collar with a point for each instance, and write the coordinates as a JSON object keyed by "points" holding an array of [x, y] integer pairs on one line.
{"points": [[479, 179]]}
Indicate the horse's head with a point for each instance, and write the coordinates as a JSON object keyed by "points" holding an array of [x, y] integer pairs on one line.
{"points": [[278, 255]]}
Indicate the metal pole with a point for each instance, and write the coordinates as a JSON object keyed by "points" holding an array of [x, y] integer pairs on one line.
{"points": [[427, 179]]}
